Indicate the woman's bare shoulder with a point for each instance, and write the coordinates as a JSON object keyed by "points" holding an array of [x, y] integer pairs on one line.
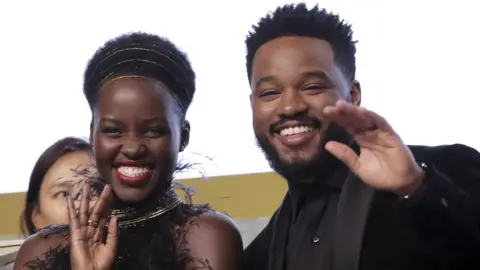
{"points": [[41, 248], [214, 240], [214, 220], [210, 223]]}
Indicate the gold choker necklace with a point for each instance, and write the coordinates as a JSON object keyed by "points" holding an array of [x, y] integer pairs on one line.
{"points": [[132, 217]]}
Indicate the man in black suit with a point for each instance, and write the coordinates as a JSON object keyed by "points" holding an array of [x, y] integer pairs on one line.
{"points": [[358, 197]]}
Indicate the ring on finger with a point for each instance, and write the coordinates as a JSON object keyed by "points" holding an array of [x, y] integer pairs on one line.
{"points": [[92, 223]]}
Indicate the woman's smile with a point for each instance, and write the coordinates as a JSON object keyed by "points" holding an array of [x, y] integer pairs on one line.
{"points": [[131, 175]]}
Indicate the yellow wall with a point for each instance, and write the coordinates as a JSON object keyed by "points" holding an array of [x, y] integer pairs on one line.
{"points": [[241, 196]]}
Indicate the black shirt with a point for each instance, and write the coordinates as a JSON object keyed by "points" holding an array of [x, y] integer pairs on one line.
{"points": [[375, 230], [313, 212]]}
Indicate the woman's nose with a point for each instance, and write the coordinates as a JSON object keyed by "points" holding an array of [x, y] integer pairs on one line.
{"points": [[133, 149]]}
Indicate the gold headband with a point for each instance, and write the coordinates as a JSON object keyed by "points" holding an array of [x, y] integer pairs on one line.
{"points": [[109, 79]]}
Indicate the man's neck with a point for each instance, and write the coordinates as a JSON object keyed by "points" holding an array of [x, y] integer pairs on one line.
{"points": [[323, 166]]}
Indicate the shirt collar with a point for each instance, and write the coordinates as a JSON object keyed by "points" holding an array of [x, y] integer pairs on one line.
{"points": [[301, 193], [329, 182]]}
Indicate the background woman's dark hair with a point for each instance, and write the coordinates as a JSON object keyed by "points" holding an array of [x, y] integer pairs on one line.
{"points": [[44, 162]]}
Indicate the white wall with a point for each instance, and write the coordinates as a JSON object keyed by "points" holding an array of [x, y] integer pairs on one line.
{"points": [[417, 61]]}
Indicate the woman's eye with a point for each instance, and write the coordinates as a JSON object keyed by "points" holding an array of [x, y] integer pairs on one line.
{"points": [[63, 194], [153, 132], [112, 131]]}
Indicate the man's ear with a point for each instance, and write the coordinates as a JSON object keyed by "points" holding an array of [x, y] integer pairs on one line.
{"points": [[355, 94], [185, 136]]}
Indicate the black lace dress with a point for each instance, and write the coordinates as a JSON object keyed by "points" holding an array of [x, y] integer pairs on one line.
{"points": [[157, 243]]}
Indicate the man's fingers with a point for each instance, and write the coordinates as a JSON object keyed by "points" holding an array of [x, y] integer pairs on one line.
{"points": [[380, 122], [344, 153], [353, 118]]}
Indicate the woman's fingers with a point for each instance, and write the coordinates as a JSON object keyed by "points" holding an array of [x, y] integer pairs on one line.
{"points": [[101, 205], [98, 235], [77, 234], [111, 242], [84, 205], [72, 216], [87, 231], [97, 217]]}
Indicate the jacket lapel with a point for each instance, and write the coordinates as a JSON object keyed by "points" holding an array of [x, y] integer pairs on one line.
{"points": [[279, 237], [352, 214]]}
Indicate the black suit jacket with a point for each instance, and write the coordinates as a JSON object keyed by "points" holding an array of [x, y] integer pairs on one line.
{"points": [[374, 230]]}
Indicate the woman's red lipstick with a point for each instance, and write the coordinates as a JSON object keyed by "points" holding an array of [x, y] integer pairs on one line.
{"points": [[131, 172]]}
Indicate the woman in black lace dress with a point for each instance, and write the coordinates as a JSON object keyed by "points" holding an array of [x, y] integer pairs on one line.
{"points": [[139, 87]]}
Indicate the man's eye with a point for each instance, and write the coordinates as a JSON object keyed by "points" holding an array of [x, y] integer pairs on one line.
{"points": [[314, 86], [268, 93]]}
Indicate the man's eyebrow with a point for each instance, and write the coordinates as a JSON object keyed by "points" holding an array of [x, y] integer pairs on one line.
{"points": [[263, 80], [316, 74]]}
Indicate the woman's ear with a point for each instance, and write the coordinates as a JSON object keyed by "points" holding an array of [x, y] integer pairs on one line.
{"points": [[37, 218], [185, 136], [91, 137]]}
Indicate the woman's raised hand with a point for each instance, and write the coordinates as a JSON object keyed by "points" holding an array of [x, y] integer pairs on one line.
{"points": [[88, 251]]}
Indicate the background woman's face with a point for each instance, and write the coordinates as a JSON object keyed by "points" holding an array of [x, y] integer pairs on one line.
{"points": [[136, 136], [60, 181]]}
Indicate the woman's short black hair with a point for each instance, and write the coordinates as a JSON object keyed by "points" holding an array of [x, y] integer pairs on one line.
{"points": [[145, 55], [44, 162]]}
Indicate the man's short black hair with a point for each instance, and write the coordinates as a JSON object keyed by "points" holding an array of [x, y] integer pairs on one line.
{"points": [[299, 20], [144, 55]]}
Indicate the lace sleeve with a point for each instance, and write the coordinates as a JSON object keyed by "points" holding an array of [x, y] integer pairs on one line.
{"points": [[44, 250]]}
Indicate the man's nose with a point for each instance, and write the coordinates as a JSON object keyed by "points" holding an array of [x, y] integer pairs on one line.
{"points": [[292, 104]]}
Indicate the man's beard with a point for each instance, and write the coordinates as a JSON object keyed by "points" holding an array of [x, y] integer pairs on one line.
{"points": [[301, 170]]}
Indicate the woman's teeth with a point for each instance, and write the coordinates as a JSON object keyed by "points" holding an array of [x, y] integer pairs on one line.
{"points": [[132, 171]]}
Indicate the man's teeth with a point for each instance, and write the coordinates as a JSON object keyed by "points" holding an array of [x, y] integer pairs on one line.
{"points": [[295, 130], [132, 171]]}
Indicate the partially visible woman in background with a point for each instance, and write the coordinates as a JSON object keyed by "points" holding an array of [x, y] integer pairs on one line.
{"points": [[53, 178], [51, 181]]}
